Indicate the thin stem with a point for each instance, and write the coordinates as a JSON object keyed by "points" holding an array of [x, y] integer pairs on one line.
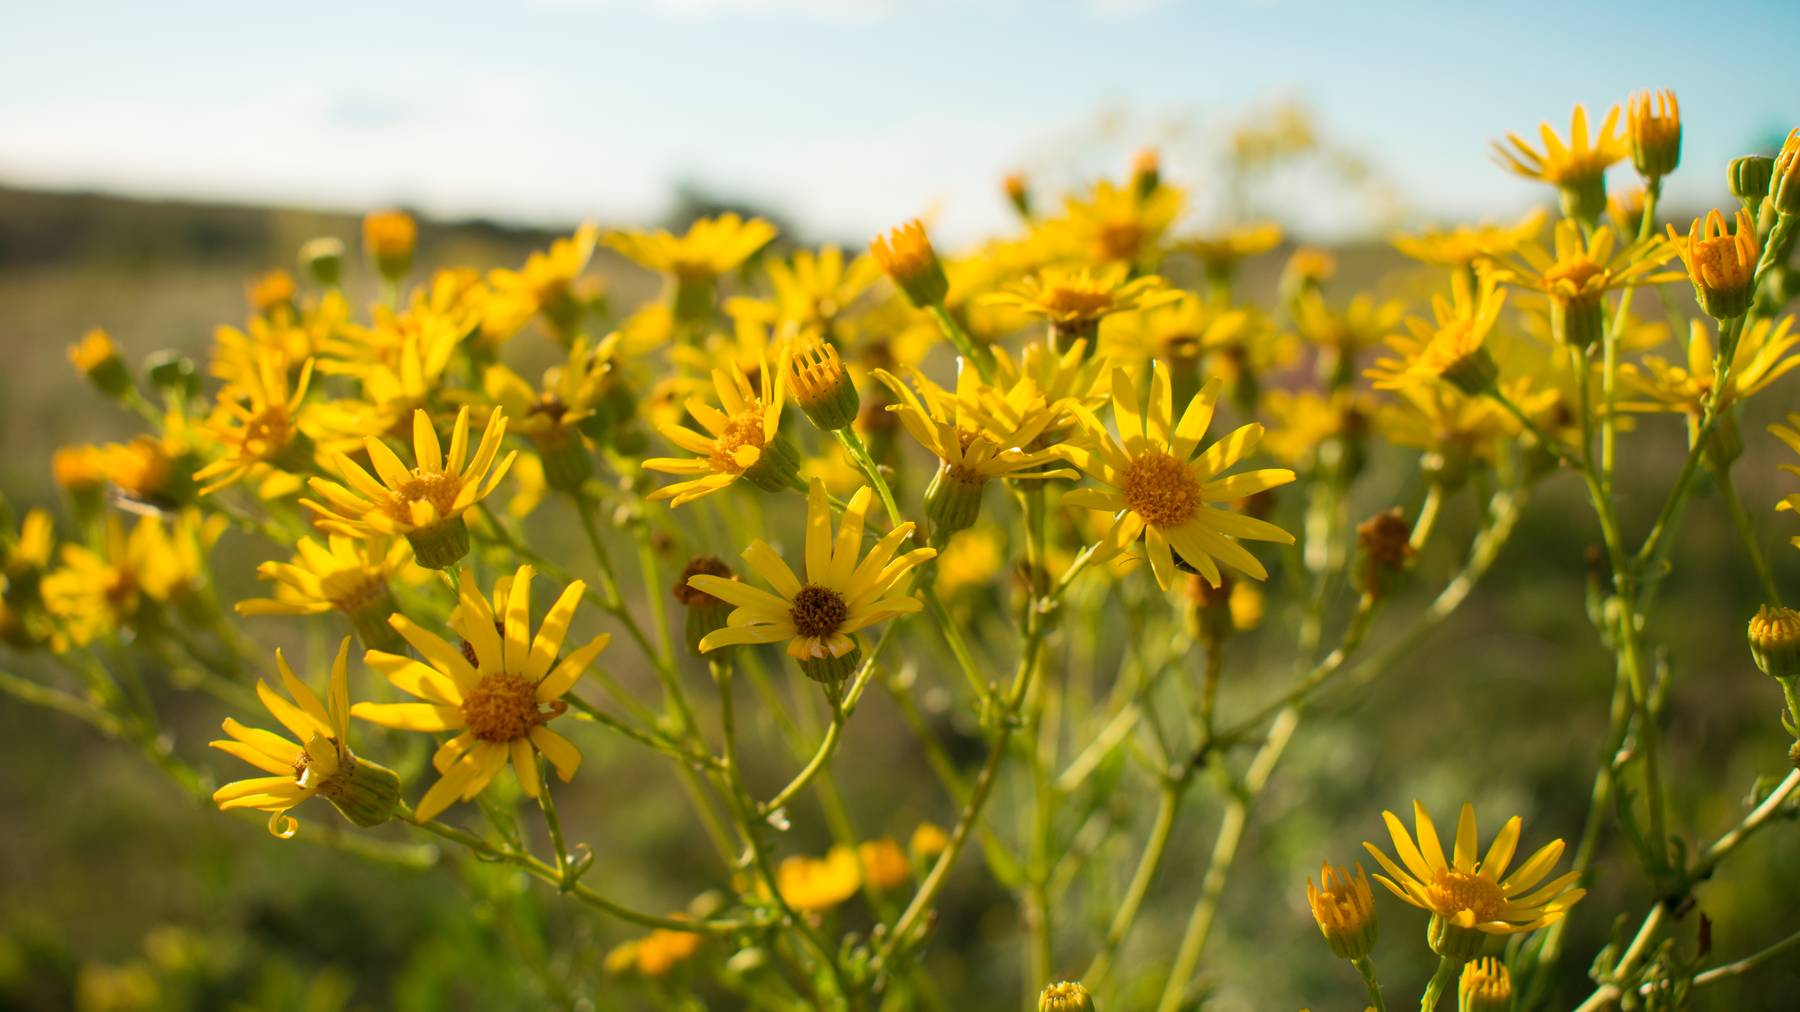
{"points": [[1447, 970], [977, 356], [1168, 804], [833, 731], [1366, 967], [1746, 532], [860, 454], [548, 805]]}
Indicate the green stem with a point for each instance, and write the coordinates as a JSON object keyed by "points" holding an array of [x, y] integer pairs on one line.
{"points": [[860, 454], [977, 356], [1366, 967], [1447, 969], [1168, 805], [1746, 532]]}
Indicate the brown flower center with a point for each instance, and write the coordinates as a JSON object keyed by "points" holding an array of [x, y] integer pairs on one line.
{"points": [[1119, 240], [1452, 892], [1078, 303], [503, 708], [1161, 489], [818, 611]]}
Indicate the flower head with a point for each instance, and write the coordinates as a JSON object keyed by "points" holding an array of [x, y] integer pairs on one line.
{"points": [[348, 575], [1463, 245], [424, 502], [499, 697], [1484, 986], [1576, 273], [844, 591], [319, 764], [1764, 354], [1065, 996], [1160, 491], [1344, 909], [1775, 641], [1220, 252], [1653, 121], [906, 255], [740, 441], [1076, 301], [390, 236], [1469, 897], [1116, 224], [98, 358], [1577, 169], [1721, 262], [1784, 185], [547, 282], [1450, 346], [811, 884], [257, 421]]}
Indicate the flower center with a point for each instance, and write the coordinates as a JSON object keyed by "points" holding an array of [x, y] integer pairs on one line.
{"points": [[1452, 892], [1577, 271], [1161, 489], [1119, 240], [818, 611], [503, 708], [743, 429], [439, 488], [1080, 303], [1716, 261], [349, 590], [267, 431]]}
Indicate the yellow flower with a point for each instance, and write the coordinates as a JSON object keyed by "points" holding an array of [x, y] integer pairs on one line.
{"points": [[906, 256], [1450, 347], [271, 291], [1160, 491], [97, 592], [257, 420], [841, 595], [1076, 301], [584, 393], [390, 236], [969, 561], [811, 884], [78, 469], [1220, 252], [319, 764], [1578, 273], [1484, 986], [884, 865], [696, 260], [1465, 244], [99, 360], [1180, 331], [1466, 897], [662, 950], [143, 468], [1301, 423], [743, 440], [1653, 120], [425, 502], [928, 841], [1763, 355], [1116, 224], [500, 699], [547, 281], [1065, 996], [1785, 181], [814, 291], [1577, 169], [1720, 262], [348, 575], [1452, 429], [1344, 909]]}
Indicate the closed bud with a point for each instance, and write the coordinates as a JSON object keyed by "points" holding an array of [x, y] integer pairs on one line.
{"points": [[99, 360], [705, 613], [1065, 996], [1654, 122], [1384, 552], [322, 260], [908, 258], [1775, 641], [271, 291], [831, 672], [1749, 178], [777, 469], [1016, 194], [1146, 173], [389, 237], [441, 545]]}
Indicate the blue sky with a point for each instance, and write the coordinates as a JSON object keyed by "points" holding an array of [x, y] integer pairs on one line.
{"points": [[845, 115]]}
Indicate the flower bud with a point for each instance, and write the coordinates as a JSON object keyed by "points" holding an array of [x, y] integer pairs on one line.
{"points": [[928, 841], [906, 255], [1065, 996], [832, 672], [778, 467], [271, 291], [1016, 194], [820, 385], [1654, 122], [565, 458], [389, 237], [1146, 173], [1485, 986], [1775, 641], [1384, 552], [1474, 373], [323, 260], [1785, 187], [99, 360], [1344, 909], [1749, 178], [705, 613]]}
